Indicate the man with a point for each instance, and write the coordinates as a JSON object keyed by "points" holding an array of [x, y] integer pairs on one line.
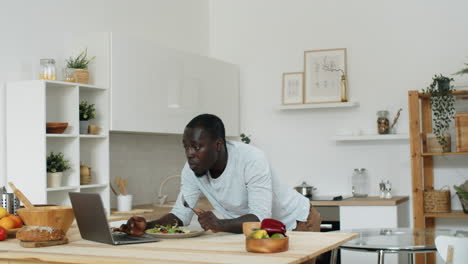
{"points": [[236, 179]]}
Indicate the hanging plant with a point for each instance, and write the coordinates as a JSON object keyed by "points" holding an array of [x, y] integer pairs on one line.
{"points": [[442, 105]]}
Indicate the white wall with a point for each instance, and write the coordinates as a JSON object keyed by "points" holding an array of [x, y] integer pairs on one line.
{"points": [[393, 47], [33, 29]]}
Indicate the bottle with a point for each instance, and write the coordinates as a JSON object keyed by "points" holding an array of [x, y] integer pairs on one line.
{"points": [[383, 125], [360, 183]]}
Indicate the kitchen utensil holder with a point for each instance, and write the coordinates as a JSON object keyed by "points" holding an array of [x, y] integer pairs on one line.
{"points": [[124, 203], [10, 202]]}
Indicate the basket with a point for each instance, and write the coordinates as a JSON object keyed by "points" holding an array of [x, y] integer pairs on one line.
{"points": [[82, 76], [437, 201]]}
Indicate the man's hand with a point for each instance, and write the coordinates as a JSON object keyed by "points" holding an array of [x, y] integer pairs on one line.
{"points": [[208, 220], [135, 226]]}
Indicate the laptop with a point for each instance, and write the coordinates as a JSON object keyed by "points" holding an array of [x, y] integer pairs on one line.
{"points": [[93, 225]]}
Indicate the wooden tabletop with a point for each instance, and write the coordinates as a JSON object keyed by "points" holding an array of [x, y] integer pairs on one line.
{"points": [[368, 201], [206, 249]]}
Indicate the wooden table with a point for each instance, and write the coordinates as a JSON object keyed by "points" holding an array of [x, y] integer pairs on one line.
{"points": [[208, 248]]}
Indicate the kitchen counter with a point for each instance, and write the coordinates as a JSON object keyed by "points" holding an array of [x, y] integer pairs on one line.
{"points": [[368, 201], [208, 248]]}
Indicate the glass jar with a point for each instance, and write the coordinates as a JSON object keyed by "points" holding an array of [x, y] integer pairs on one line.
{"points": [[47, 71], [383, 125], [360, 183]]}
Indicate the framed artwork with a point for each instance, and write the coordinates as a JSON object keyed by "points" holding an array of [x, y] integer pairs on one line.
{"points": [[293, 88], [323, 73]]}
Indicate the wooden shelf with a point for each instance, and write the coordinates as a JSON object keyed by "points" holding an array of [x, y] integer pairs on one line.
{"points": [[317, 105], [374, 137], [443, 154], [456, 93], [453, 214]]}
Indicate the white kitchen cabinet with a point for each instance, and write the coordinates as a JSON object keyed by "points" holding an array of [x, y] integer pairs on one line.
{"points": [[30, 104], [159, 90], [358, 217]]}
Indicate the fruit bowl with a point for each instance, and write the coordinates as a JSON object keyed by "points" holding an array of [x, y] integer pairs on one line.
{"points": [[267, 245], [56, 127], [60, 217]]}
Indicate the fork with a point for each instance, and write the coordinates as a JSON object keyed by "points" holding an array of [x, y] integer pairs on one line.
{"points": [[187, 205]]}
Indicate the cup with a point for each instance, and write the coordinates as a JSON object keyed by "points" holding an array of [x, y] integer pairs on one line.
{"points": [[248, 226], [124, 203], [94, 130]]}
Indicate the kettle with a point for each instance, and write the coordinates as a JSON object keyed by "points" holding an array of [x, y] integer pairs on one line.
{"points": [[305, 189]]}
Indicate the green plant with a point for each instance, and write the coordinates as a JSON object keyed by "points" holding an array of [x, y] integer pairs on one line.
{"points": [[81, 61], [462, 190], [57, 163], [463, 71], [87, 111], [442, 104], [245, 138]]}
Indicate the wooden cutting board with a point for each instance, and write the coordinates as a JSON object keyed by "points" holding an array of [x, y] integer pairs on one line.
{"points": [[32, 244]]}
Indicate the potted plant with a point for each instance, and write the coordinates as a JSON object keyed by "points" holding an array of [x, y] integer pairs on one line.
{"points": [[77, 68], [443, 110], [87, 112], [462, 193], [56, 165], [245, 138]]}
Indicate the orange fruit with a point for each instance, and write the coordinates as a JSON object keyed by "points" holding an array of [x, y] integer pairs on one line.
{"points": [[17, 220], [7, 223]]}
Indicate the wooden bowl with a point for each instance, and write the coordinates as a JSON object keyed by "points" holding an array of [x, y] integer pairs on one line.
{"points": [[60, 217], [248, 226], [56, 127], [267, 245]]}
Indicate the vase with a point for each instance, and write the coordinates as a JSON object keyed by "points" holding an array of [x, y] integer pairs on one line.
{"points": [[85, 174], [463, 202], [344, 88], [54, 179], [443, 85], [84, 126]]}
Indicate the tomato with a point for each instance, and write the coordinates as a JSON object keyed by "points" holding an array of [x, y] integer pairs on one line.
{"points": [[164, 232], [3, 233]]}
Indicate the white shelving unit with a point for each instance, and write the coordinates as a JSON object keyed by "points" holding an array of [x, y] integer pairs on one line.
{"points": [[373, 137], [30, 104], [317, 105]]}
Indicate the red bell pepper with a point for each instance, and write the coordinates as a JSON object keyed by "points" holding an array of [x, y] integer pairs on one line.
{"points": [[273, 226]]}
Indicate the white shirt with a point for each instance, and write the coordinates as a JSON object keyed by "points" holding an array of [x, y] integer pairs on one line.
{"points": [[246, 186]]}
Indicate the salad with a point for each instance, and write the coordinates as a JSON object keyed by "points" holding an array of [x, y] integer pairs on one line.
{"points": [[168, 229]]}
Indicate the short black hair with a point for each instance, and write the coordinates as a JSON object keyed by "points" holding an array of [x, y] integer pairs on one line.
{"points": [[212, 124]]}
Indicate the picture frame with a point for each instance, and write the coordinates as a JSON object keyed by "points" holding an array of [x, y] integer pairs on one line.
{"points": [[293, 88], [324, 71]]}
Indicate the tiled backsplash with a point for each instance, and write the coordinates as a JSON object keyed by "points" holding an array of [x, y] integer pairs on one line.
{"points": [[146, 160]]}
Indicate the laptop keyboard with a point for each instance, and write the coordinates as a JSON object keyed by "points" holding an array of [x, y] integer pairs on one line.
{"points": [[125, 237]]}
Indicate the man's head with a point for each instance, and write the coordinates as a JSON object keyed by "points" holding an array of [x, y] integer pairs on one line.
{"points": [[203, 140]]}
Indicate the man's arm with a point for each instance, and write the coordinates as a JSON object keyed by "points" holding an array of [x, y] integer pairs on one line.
{"points": [[209, 221]]}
